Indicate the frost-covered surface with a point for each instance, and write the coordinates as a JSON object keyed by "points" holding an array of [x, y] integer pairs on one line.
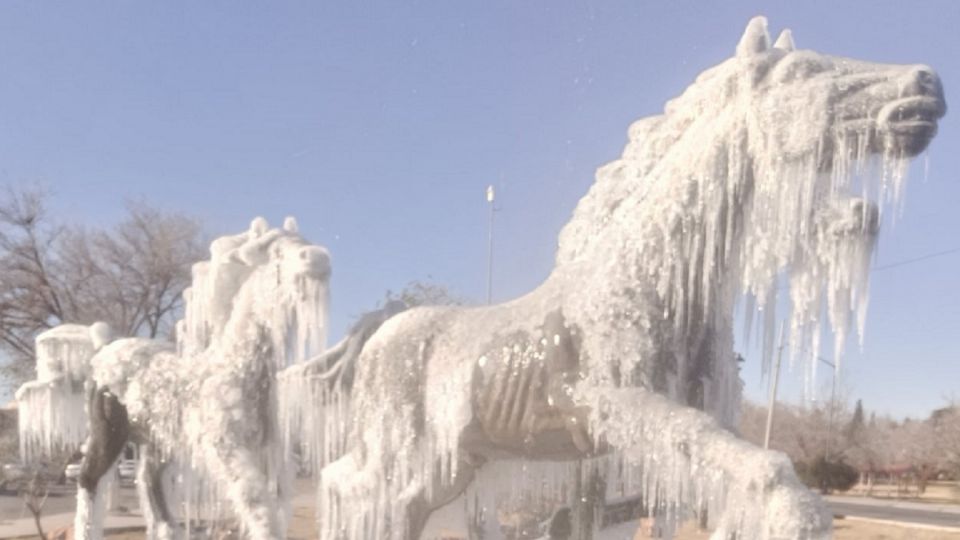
{"points": [[272, 273], [314, 395], [746, 179], [683, 463], [209, 404], [52, 408]]}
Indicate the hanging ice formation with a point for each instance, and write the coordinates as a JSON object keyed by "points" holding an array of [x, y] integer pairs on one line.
{"points": [[52, 408], [283, 282], [314, 395], [773, 165]]}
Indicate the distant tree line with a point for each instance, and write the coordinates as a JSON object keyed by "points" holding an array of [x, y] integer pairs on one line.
{"points": [[826, 440]]}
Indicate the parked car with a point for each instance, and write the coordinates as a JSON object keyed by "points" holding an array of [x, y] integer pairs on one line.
{"points": [[72, 472], [12, 476], [128, 469]]}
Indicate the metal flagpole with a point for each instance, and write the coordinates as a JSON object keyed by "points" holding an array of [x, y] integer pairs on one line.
{"points": [[490, 199]]}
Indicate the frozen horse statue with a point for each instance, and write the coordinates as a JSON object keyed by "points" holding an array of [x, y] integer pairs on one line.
{"points": [[627, 349], [258, 305], [55, 414]]}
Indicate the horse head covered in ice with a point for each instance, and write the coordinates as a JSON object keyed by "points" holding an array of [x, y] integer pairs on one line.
{"points": [[626, 350], [257, 305], [269, 277], [751, 171]]}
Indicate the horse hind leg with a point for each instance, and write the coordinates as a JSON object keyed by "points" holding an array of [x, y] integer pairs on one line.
{"points": [[340, 483], [350, 503], [109, 430], [424, 504]]}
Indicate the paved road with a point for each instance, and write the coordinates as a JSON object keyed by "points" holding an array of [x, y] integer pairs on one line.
{"points": [[16, 521], [62, 499], [921, 513]]}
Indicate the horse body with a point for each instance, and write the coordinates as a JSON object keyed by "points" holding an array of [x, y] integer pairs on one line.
{"points": [[628, 347]]}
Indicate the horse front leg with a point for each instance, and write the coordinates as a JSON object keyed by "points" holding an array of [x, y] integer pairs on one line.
{"points": [[237, 467], [109, 430], [241, 449], [691, 458], [153, 500]]}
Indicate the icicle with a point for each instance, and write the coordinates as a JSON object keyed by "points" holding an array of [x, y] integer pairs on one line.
{"points": [[51, 409]]}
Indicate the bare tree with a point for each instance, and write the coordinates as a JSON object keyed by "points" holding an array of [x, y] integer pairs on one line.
{"points": [[35, 497], [424, 293], [132, 275], [946, 422]]}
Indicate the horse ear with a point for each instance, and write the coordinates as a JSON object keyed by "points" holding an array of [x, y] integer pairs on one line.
{"points": [[755, 38], [785, 41], [258, 226]]}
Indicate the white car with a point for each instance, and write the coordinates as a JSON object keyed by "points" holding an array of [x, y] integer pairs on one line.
{"points": [[128, 469], [72, 472]]}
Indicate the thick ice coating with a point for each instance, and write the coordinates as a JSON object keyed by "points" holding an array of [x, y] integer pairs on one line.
{"points": [[774, 165], [52, 408], [271, 272]]}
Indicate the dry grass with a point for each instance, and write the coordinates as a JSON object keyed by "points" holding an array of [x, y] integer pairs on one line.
{"points": [[843, 530], [863, 530]]}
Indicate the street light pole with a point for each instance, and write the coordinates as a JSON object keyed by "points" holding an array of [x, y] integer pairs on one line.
{"points": [[490, 200]]}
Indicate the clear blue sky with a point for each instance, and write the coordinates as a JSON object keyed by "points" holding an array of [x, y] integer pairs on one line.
{"points": [[379, 125]]}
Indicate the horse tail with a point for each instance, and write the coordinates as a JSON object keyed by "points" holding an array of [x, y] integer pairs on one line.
{"points": [[314, 396]]}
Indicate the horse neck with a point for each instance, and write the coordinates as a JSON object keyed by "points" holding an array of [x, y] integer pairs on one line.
{"points": [[646, 282]]}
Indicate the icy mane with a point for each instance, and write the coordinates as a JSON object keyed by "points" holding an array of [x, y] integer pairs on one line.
{"points": [[272, 275], [740, 183]]}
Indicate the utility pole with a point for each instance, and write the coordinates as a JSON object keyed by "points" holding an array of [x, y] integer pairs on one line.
{"points": [[490, 201], [773, 395], [833, 404], [773, 390]]}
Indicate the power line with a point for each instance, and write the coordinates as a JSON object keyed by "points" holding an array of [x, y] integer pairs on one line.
{"points": [[916, 259]]}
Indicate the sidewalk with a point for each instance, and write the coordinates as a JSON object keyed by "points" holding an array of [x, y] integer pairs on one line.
{"points": [[24, 526]]}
